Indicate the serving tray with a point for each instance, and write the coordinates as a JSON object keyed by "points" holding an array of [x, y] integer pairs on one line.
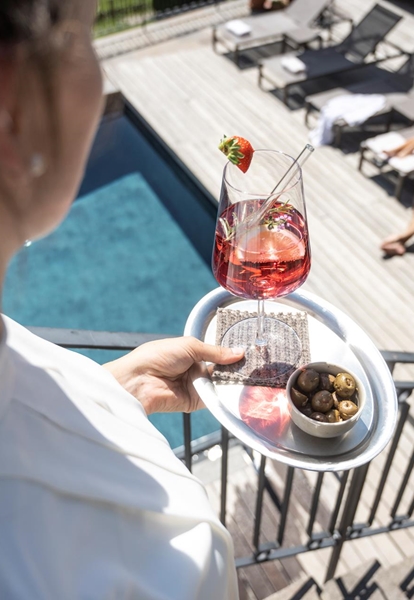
{"points": [[259, 416]]}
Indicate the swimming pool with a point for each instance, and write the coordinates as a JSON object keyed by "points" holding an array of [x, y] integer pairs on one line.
{"points": [[132, 255]]}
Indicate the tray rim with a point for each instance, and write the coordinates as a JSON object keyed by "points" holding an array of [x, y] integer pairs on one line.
{"points": [[371, 360]]}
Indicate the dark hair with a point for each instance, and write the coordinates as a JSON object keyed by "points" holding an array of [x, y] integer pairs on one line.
{"points": [[28, 20]]}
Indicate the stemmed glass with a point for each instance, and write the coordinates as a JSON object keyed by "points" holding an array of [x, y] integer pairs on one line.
{"points": [[261, 252]]}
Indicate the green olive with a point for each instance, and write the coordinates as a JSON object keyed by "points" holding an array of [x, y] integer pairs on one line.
{"points": [[308, 381], [318, 416], [322, 401], [298, 398], [347, 409], [344, 385], [326, 381], [333, 416]]}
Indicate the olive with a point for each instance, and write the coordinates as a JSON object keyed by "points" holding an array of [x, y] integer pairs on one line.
{"points": [[347, 409], [336, 401], [318, 416], [322, 401], [298, 398], [306, 410], [333, 416], [308, 380], [344, 385], [326, 381]]}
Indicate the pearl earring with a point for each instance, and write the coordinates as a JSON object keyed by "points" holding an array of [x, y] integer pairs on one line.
{"points": [[37, 165]]}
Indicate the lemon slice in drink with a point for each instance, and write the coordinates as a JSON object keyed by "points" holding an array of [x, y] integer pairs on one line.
{"points": [[271, 245]]}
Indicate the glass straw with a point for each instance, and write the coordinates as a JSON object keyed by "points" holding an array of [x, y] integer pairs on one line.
{"points": [[282, 184]]}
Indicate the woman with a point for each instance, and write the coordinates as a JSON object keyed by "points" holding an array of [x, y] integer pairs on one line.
{"points": [[93, 502], [396, 245]]}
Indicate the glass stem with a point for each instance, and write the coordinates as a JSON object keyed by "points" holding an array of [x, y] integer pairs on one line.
{"points": [[260, 337]]}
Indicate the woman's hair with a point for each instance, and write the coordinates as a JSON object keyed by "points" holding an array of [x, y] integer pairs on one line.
{"points": [[29, 20]]}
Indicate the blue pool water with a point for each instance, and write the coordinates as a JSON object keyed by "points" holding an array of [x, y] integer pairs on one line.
{"points": [[132, 255]]}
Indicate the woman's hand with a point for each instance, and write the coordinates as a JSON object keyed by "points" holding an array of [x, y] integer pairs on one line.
{"points": [[160, 374]]}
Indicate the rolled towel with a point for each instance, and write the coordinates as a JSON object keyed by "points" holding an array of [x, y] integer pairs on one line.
{"points": [[238, 27], [293, 64]]}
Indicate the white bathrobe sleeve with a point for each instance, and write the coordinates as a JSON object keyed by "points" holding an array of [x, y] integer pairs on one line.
{"points": [[93, 502]]}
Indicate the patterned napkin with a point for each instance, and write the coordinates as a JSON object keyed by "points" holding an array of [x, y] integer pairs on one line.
{"points": [[283, 357]]}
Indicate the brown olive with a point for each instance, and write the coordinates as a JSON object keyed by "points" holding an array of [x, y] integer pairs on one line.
{"points": [[326, 381], [322, 401], [344, 385], [298, 398], [318, 416], [306, 410], [308, 380], [347, 409], [333, 416]]}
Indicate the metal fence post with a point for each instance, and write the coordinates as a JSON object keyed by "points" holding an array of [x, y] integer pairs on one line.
{"points": [[187, 440], [224, 466], [348, 514]]}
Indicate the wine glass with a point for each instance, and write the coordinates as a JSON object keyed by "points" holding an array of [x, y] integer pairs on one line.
{"points": [[261, 252]]}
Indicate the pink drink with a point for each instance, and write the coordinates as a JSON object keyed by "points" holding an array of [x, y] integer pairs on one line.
{"points": [[269, 260]]}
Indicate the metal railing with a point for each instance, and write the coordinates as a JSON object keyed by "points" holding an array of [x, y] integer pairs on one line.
{"points": [[339, 524]]}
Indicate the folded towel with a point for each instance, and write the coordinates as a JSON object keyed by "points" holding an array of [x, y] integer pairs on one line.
{"points": [[403, 165], [238, 27], [293, 64], [380, 144], [354, 109]]}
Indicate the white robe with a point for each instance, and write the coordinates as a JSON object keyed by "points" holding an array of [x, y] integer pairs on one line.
{"points": [[93, 502]]}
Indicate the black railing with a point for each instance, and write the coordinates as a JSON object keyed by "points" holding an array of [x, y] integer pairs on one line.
{"points": [[338, 523]]}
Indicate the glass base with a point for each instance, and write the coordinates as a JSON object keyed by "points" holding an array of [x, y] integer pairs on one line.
{"points": [[271, 361]]}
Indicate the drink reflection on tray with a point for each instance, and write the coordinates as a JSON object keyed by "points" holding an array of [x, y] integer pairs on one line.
{"points": [[265, 410]]}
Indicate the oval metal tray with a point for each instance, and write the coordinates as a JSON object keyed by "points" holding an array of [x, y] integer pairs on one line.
{"points": [[258, 416]]}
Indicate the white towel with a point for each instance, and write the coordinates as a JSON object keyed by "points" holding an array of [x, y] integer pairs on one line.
{"points": [[293, 64], [380, 144], [238, 27], [403, 165], [354, 109]]}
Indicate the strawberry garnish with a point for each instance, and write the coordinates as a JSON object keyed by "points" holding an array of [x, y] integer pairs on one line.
{"points": [[238, 150]]}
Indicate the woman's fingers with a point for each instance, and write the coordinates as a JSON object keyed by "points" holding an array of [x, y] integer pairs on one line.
{"points": [[216, 354]]}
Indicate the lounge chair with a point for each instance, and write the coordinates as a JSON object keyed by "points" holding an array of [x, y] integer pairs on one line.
{"points": [[349, 54], [373, 150], [294, 22], [397, 87]]}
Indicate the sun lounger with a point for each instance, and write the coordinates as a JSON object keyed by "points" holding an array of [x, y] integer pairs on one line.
{"points": [[346, 56], [374, 149], [294, 21], [397, 88]]}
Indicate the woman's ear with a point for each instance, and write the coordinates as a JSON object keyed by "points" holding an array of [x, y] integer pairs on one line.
{"points": [[11, 159]]}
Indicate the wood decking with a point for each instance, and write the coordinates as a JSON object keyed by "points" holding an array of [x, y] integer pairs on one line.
{"points": [[191, 97]]}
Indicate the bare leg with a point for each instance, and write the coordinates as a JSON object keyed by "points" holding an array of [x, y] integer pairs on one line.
{"points": [[395, 244]]}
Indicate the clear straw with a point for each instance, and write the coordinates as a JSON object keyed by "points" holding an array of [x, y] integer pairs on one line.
{"points": [[282, 184]]}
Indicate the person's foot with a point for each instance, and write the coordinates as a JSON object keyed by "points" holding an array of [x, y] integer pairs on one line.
{"points": [[393, 247]]}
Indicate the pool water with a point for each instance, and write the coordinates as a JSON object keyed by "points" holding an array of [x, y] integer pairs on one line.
{"points": [[132, 255]]}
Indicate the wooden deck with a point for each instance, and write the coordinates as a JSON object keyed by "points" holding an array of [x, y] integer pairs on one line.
{"points": [[191, 96]]}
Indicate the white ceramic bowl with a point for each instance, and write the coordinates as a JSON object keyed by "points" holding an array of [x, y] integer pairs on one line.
{"points": [[316, 428]]}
